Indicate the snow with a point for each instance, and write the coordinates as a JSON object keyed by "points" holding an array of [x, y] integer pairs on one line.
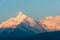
{"points": [[14, 22], [51, 23]]}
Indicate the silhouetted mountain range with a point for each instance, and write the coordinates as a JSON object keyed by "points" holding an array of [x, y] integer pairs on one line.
{"points": [[42, 36]]}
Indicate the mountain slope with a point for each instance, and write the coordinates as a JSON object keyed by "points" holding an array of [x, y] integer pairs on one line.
{"points": [[21, 25], [17, 20], [51, 23]]}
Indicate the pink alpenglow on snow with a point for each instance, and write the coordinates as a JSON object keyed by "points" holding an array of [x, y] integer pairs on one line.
{"points": [[51, 23]]}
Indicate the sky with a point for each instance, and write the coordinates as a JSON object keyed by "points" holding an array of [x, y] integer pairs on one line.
{"points": [[31, 8]]}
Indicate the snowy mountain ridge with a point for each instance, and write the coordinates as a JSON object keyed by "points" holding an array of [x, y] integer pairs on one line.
{"points": [[50, 23]]}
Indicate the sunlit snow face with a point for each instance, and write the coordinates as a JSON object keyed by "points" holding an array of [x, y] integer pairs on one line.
{"points": [[14, 22], [51, 23]]}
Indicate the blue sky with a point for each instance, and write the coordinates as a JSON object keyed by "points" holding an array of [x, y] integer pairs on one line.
{"points": [[32, 8]]}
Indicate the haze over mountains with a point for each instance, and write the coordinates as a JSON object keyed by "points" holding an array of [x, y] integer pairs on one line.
{"points": [[28, 26]]}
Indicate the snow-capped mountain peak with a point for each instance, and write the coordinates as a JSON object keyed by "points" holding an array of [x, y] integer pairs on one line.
{"points": [[51, 23], [20, 17], [14, 22]]}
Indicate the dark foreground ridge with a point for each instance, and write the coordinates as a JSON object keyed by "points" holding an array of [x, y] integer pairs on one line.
{"points": [[42, 36]]}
